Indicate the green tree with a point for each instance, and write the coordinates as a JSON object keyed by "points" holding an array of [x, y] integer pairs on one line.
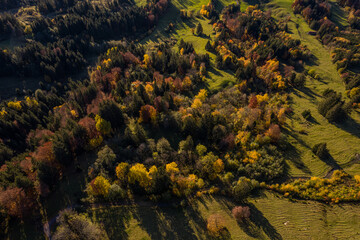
{"points": [[199, 29], [111, 112], [163, 146], [208, 46], [105, 161], [102, 125], [73, 226], [242, 188]]}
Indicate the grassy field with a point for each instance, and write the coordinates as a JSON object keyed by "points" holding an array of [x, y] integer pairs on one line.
{"points": [[342, 139], [271, 218]]}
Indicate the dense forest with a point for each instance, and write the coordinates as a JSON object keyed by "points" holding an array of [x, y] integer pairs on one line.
{"points": [[158, 131], [133, 91]]}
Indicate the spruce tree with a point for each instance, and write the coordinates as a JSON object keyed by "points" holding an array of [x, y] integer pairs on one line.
{"points": [[199, 29]]}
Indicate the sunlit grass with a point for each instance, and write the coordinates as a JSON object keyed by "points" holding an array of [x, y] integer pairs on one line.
{"points": [[342, 140], [271, 218]]}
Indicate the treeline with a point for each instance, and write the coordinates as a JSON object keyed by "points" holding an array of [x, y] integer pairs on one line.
{"points": [[312, 11], [52, 61], [44, 6], [354, 12], [350, 3]]}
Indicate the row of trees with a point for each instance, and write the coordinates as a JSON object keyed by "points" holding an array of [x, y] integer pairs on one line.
{"points": [[341, 187]]}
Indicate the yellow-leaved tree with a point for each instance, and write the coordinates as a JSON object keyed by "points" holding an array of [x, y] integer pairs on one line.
{"points": [[202, 94], [139, 174], [197, 103], [100, 186], [218, 166], [102, 125], [172, 168], [147, 60], [122, 171]]}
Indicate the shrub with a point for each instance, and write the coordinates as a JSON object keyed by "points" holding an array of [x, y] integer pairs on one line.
{"points": [[306, 114], [320, 150], [215, 224], [75, 226], [240, 212], [311, 72], [242, 188], [299, 80], [116, 192]]}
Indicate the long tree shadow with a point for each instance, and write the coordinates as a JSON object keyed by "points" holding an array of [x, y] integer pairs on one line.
{"points": [[293, 155], [113, 219], [329, 160], [170, 222], [308, 92], [338, 15], [350, 126], [312, 61], [292, 133], [256, 223], [150, 221], [199, 222]]}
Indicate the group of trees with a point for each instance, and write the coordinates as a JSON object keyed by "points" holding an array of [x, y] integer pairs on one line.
{"points": [[260, 67], [156, 90], [9, 4], [9, 26], [53, 61], [354, 13], [332, 107], [133, 93], [48, 6]]}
